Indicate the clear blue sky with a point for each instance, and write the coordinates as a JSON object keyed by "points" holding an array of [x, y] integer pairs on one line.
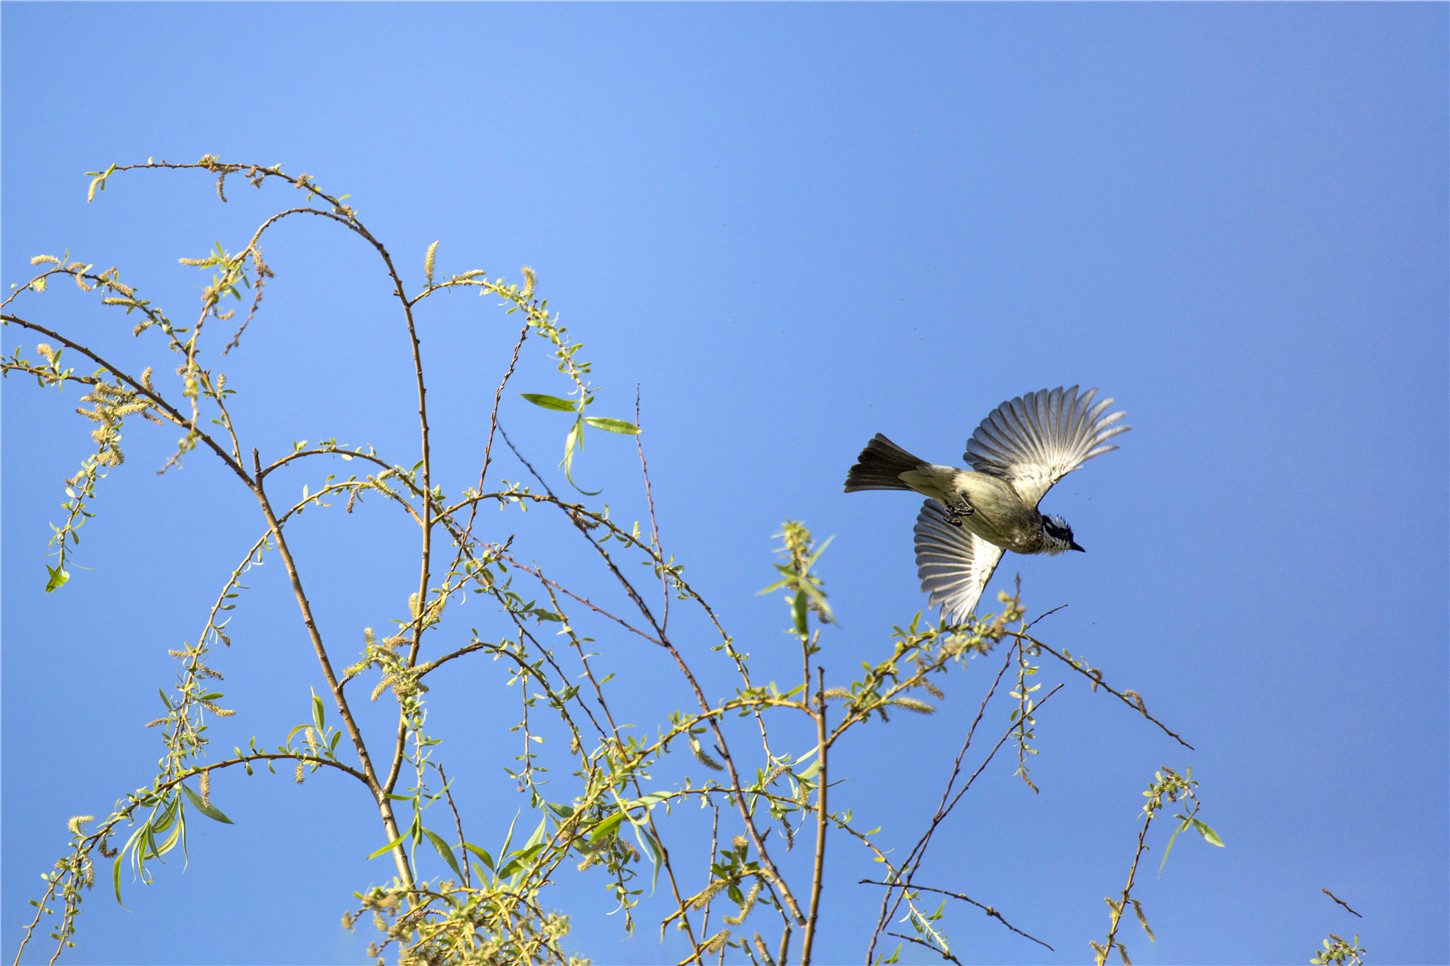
{"points": [[792, 226]]}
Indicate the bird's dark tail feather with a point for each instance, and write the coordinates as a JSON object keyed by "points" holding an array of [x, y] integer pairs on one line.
{"points": [[880, 465]]}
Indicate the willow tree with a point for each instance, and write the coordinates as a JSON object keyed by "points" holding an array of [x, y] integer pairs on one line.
{"points": [[753, 754]]}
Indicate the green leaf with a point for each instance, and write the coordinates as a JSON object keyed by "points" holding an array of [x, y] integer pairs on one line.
{"points": [[575, 441], [654, 798], [515, 864], [648, 844], [608, 828], [116, 876], [57, 580], [1209, 835], [317, 714], [178, 828], [550, 402], [507, 839], [389, 847], [538, 837], [612, 425], [210, 811], [444, 850], [798, 610], [481, 853], [776, 586], [809, 772]]}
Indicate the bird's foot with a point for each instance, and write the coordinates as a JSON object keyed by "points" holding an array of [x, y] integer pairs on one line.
{"points": [[961, 509]]}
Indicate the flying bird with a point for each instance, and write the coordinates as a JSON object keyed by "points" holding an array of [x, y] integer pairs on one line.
{"points": [[1019, 451]]}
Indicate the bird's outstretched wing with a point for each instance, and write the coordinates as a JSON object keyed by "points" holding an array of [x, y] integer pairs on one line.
{"points": [[1036, 439], [954, 564]]}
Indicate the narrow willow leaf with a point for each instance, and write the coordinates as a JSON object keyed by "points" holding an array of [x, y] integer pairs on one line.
{"points": [[1209, 835], [389, 847], [210, 811], [116, 877], [608, 828], [573, 442], [549, 402], [612, 425], [648, 844], [445, 850], [517, 861], [481, 853]]}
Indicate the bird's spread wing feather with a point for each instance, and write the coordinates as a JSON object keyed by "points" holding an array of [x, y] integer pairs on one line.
{"points": [[1035, 440], [954, 564]]}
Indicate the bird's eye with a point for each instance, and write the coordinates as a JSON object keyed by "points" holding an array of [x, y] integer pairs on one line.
{"points": [[1057, 527]]}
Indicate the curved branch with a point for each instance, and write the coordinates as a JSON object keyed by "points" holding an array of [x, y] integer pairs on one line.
{"points": [[1097, 679], [135, 385]]}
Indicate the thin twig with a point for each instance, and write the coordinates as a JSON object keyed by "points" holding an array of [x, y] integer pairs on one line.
{"points": [[493, 426], [458, 824], [940, 952], [1098, 682], [823, 784], [654, 526], [319, 649], [1127, 895], [886, 915], [1339, 900], [770, 874], [993, 913]]}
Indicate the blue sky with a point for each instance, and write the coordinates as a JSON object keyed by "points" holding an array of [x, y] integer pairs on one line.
{"points": [[792, 226]]}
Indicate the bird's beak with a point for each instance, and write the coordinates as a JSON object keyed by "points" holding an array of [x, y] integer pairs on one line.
{"points": [[1076, 547]]}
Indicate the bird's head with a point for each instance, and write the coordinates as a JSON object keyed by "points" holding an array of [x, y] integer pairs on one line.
{"points": [[1058, 535]]}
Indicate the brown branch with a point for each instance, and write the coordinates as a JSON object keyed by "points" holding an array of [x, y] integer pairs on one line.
{"points": [[104, 830], [918, 852], [1118, 908], [770, 873], [348, 219], [1339, 900], [654, 527], [990, 911], [818, 860], [493, 427], [380, 794], [457, 824], [538, 575], [614, 729], [940, 952], [425, 444], [156, 399], [1098, 682]]}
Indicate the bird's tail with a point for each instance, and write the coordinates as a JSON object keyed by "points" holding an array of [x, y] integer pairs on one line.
{"points": [[880, 465]]}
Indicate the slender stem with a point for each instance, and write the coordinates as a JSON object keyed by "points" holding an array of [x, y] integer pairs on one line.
{"points": [[769, 871], [426, 551], [1115, 915], [385, 805], [818, 865]]}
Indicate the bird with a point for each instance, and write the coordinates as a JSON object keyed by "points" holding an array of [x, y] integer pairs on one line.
{"points": [[971, 516]]}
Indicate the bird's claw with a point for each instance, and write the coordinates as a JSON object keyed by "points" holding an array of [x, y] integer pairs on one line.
{"points": [[961, 509]]}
